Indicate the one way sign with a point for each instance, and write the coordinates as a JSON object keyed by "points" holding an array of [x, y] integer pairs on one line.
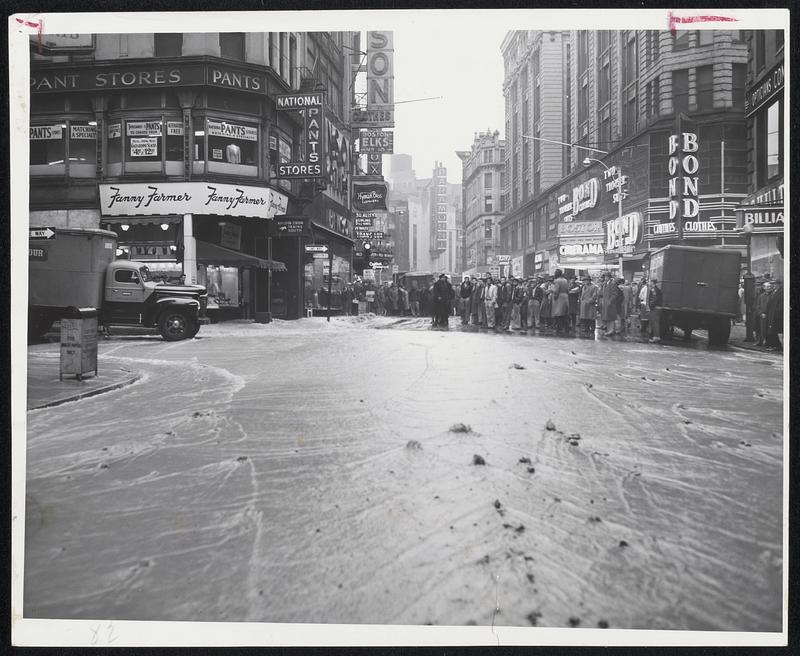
{"points": [[42, 233]]}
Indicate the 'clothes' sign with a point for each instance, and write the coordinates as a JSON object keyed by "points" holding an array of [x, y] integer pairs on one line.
{"points": [[142, 199], [369, 197]]}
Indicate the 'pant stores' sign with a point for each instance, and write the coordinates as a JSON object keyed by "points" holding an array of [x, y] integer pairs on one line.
{"points": [[143, 77], [310, 105], [190, 198]]}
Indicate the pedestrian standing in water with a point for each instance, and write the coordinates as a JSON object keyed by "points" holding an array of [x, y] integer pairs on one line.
{"points": [[523, 306], [490, 303], [535, 304], [476, 301], [654, 297], [546, 310], [609, 306], [441, 301], [775, 317], [573, 295], [588, 307], [559, 289], [465, 295]]}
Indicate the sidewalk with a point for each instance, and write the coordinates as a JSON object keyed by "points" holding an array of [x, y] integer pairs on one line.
{"points": [[46, 390], [738, 333]]}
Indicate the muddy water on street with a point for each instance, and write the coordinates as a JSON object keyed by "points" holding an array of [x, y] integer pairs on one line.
{"points": [[311, 476]]}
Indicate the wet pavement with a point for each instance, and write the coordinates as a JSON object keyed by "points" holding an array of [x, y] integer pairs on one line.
{"points": [[333, 473]]}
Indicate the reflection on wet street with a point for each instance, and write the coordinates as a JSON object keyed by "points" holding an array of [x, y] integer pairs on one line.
{"points": [[334, 473]]}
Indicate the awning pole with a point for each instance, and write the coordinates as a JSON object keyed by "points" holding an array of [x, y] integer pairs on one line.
{"points": [[189, 251], [269, 277]]}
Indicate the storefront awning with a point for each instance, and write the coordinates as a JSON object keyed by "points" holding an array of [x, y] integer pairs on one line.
{"points": [[208, 253]]}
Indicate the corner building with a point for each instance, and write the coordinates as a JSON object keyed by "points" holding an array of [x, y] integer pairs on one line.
{"points": [[625, 93], [172, 141]]}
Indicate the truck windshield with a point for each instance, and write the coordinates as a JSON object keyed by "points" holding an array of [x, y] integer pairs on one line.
{"points": [[144, 272]]}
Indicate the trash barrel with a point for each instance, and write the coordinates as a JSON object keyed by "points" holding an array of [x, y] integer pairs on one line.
{"points": [[78, 342]]}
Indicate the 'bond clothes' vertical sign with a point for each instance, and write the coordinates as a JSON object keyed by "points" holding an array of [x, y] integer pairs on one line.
{"points": [[310, 105], [380, 75]]}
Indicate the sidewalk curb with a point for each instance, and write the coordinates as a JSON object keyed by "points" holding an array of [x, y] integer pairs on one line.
{"points": [[87, 394]]}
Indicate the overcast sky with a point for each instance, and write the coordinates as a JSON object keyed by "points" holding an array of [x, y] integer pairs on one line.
{"points": [[464, 65]]}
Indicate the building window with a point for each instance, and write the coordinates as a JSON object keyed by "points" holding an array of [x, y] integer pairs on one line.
{"points": [[167, 45], [82, 149], [48, 149], [629, 118], [705, 88], [604, 132], [629, 61], [705, 37], [487, 180], [537, 180], [583, 50], [143, 150], [680, 91], [739, 82], [583, 103], [525, 157], [760, 49], [231, 45], [488, 204], [603, 41], [487, 229], [771, 152], [680, 39], [604, 83], [231, 147], [654, 46]]}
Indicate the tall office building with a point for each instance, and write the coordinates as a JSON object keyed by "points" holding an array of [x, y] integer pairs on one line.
{"points": [[656, 124]]}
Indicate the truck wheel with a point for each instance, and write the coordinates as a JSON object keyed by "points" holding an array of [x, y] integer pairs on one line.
{"points": [[195, 327], [719, 331], [174, 325]]}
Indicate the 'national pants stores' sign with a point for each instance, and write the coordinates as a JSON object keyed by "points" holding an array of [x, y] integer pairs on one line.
{"points": [[191, 198]]}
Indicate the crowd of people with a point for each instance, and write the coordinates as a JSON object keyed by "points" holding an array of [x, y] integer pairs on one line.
{"points": [[550, 304]]}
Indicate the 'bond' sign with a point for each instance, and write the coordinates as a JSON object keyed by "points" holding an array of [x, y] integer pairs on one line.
{"points": [[380, 72]]}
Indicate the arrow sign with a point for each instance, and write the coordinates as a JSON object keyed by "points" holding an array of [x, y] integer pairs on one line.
{"points": [[42, 233], [316, 248]]}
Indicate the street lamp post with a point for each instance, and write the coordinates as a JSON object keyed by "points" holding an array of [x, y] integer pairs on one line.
{"points": [[586, 162], [749, 287]]}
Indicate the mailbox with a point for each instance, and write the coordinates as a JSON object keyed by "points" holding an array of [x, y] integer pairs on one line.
{"points": [[78, 342]]}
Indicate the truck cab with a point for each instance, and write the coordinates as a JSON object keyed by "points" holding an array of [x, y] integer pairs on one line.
{"points": [[132, 297]]}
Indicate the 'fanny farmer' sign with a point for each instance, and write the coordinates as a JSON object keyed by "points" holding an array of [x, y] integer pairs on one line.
{"points": [[190, 198]]}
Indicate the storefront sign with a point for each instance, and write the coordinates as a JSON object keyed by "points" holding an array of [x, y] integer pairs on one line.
{"points": [[760, 94], [142, 199], [372, 118], [293, 227], [580, 228], [516, 267], [114, 131], [144, 147], [43, 132], [143, 128], [231, 130], [84, 79], [65, 42], [371, 196], [83, 132], [763, 216], [361, 233], [689, 226], [364, 221], [376, 141], [583, 197], [231, 79], [623, 232], [580, 250], [380, 70], [174, 129], [231, 236], [684, 203], [294, 101]]}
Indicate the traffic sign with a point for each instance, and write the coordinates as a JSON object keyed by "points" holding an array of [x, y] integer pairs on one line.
{"points": [[320, 256], [395, 268], [316, 248], [42, 233]]}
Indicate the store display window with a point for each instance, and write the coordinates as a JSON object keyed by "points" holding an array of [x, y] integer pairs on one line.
{"points": [[231, 147], [64, 148], [222, 285], [316, 281]]}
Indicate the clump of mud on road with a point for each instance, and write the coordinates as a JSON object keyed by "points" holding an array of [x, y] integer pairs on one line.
{"points": [[478, 460], [460, 428]]}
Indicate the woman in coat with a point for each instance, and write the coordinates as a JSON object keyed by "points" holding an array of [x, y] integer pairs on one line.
{"points": [[608, 308], [546, 308], [559, 289], [588, 306]]}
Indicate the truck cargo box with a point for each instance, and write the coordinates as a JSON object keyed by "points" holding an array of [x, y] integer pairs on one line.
{"points": [[698, 279], [69, 269]]}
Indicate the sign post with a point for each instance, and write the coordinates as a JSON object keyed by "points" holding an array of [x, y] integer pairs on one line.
{"points": [[330, 281]]}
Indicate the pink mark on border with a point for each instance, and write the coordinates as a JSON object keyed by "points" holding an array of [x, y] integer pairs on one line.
{"points": [[38, 25], [674, 20]]}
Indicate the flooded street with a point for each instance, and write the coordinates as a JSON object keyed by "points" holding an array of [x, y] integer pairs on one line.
{"points": [[334, 473]]}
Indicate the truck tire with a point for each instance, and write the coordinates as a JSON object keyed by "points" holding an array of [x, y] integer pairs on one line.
{"points": [[194, 329], [719, 330], [174, 325]]}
